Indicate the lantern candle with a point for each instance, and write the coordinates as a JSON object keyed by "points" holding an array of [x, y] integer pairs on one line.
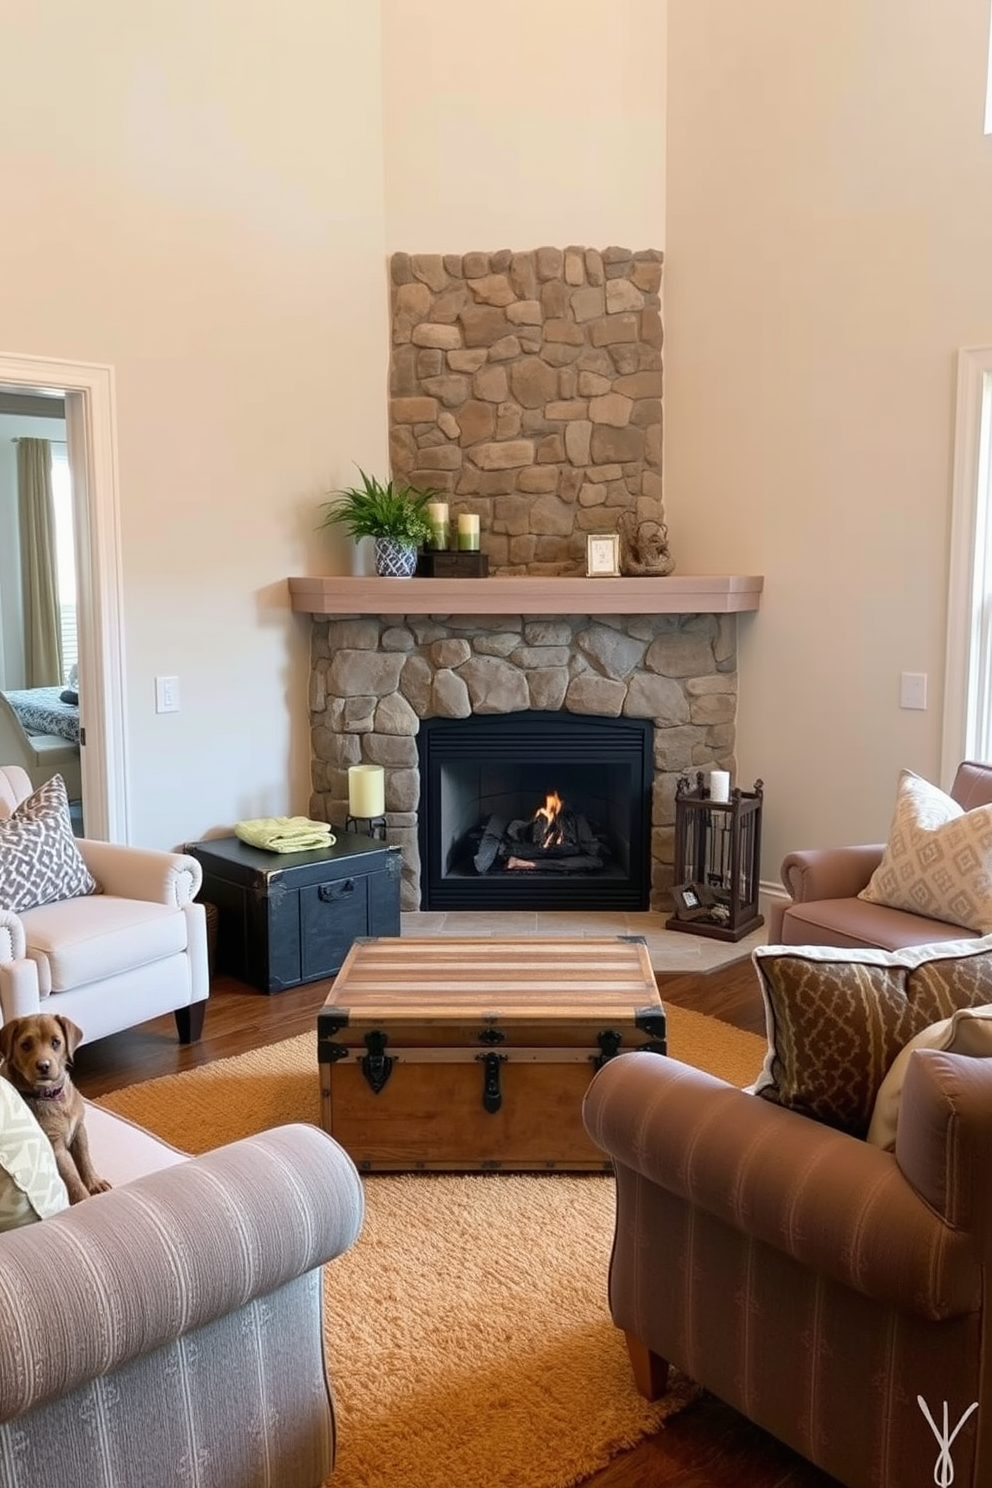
{"points": [[437, 516], [366, 790], [468, 532], [719, 785]]}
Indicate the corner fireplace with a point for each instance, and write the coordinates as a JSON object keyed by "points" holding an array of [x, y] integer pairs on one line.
{"points": [[535, 810]]}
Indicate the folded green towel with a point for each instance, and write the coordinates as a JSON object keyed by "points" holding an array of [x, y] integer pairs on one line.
{"points": [[285, 833]]}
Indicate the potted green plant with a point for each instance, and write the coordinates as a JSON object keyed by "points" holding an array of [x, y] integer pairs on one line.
{"points": [[393, 515]]}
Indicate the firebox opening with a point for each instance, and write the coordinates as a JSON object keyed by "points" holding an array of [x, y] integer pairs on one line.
{"points": [[488, 785]]}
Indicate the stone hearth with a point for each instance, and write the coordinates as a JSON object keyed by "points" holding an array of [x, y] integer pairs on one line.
{"points": [[374, 678]]}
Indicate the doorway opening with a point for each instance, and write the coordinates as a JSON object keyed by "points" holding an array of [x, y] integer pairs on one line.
{"points": [[88, 391]]}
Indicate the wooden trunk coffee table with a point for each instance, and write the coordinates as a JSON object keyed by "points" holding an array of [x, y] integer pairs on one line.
{"points": [[469, 1053]]}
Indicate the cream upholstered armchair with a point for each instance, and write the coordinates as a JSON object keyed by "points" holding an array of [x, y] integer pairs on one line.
{"points": [[108, 960]]}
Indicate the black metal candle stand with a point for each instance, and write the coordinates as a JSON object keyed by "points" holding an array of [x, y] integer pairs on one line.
{"points": [[375, 826], [717, 861]]}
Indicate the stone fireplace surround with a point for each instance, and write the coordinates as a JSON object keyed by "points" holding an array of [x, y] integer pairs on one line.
{"points": [[374, 677], [527, 387]]}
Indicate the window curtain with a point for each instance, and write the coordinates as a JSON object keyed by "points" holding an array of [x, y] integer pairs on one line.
{"points": [[39, 578]]}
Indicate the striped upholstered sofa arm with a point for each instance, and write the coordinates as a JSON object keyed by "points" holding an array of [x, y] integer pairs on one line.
{"points": [[128, 1271], [830, 1201]]}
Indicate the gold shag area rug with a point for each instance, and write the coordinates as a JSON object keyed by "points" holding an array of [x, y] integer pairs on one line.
{"points": [[467, 1332]]}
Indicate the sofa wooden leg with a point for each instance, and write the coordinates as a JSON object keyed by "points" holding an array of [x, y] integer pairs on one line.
{"points": [[650, 1372], [189, 1021]]}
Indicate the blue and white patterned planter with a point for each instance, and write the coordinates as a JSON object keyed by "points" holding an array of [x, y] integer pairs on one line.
{"points": [[394, 560]]}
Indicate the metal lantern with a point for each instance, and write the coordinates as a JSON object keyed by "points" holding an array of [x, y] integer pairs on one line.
{"points": [[717, 861]]}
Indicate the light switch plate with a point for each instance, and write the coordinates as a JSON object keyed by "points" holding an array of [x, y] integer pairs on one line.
{"points": [[913, 690]]}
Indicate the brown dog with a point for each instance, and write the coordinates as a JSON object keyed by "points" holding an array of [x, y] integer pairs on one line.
{"points": [[37, 1056]]}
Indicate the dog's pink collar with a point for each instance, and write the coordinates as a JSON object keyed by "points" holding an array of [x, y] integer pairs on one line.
{"points": [[49, 1094]]}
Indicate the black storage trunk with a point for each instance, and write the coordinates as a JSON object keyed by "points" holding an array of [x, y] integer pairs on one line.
{"points": [[288, 918]]}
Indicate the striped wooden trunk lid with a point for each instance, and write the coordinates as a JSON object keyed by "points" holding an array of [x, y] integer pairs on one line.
{"points": [[475, 1052]]}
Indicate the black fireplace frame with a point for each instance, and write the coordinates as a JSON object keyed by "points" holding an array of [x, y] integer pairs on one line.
{"points": [[576, 739]]}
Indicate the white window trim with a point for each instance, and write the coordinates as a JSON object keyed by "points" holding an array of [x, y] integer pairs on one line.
{"points": [[968, 672]]}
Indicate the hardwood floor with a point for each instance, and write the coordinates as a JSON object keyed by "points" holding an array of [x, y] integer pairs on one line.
{"points": [[707, 1446]]}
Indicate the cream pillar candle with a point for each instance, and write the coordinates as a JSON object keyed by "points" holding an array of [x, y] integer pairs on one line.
{"points": [[468, 532], [719, 785], [366, 790], [437, 515]]}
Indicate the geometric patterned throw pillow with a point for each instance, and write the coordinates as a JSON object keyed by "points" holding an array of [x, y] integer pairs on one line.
{"points": [[837, 1019], [938, 861], [39, 859], [30, 1186]]}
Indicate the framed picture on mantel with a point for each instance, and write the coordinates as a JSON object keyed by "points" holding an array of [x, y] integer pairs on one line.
{"points": [[602, 555]]}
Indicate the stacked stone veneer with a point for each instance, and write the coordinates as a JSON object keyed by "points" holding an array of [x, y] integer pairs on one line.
{"points": [[528, 386], [373, 680]]}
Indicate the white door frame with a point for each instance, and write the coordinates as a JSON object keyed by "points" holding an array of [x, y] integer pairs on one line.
{"points": [[968, 673], [91, 437]]}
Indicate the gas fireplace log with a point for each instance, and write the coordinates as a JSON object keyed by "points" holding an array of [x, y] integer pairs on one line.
{"points": [[519, 846], [492, 837], [548, 864], [533, 853]]}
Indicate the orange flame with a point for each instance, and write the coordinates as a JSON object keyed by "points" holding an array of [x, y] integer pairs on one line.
{"points": [[550, 810]]}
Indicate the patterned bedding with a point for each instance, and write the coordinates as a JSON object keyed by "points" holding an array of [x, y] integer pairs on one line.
{"points": [[41, 711]]}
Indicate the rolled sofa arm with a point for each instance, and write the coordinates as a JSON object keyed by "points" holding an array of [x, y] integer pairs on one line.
{"points": [[125, 1272], [830, 872], [830, 1201], [13, 942], [944, 1136], [142, 872]]}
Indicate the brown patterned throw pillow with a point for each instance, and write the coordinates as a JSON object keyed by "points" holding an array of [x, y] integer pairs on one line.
{"points": [[938, 860], [837, 1019], [39, 859]]}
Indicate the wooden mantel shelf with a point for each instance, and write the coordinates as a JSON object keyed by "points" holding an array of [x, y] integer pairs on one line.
{"points": [[678, 594]]}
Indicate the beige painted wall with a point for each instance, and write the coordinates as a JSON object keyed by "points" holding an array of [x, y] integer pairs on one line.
{"points": [[200, 202], [524, 123], [193, 194], [829, 239]]}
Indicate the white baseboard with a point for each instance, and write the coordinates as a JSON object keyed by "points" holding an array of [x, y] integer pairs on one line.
{"points": [[769, 892]]}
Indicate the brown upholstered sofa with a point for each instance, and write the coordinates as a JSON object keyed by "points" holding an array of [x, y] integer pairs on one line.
{"points": [[824, 884], [817, 1284], [170, 1331]]}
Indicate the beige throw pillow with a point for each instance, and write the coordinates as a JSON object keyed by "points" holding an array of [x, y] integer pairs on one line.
{"points": [[837, 1019], [30, 1186], [938, 860], [968, 1031]]}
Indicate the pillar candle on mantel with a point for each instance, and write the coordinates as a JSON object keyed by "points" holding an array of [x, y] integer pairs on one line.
{"points": [[437, 515], [468, 532], [366, 790]]}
